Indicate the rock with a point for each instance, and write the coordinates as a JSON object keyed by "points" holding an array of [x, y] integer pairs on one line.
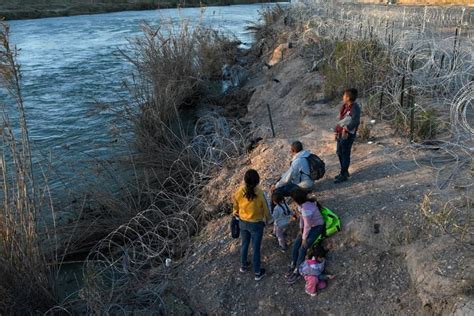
{"points": [[277, 55]]}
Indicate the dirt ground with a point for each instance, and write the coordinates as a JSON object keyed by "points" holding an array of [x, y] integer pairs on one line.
{"points": [[389, 258]]}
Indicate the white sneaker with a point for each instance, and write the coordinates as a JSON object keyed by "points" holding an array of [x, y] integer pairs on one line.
{"points": [[311, 294]]}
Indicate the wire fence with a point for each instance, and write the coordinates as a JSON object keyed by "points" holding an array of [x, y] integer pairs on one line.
{"points": [[431, 67]]}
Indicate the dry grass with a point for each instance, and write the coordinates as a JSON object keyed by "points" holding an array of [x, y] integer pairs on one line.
{"points": [[160, 208], [268, 31], [263, 30], [173, 68], [453, 217], [26, 277], [364, 130]]}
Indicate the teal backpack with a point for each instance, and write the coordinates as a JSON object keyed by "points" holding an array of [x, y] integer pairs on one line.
{"points": [[332, 222]]}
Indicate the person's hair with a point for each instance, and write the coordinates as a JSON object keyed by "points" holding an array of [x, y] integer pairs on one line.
{"points": [[297, 146], [299, 196], [310, 253], [277, 197], [252, 179], [352, 93], [319, 251]]}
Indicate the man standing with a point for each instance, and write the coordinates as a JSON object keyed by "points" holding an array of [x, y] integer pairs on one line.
{"points": [[345, 131], [299, 173]]}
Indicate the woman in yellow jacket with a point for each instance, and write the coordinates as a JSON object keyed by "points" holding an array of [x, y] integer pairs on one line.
{"points": [[251, 208]]}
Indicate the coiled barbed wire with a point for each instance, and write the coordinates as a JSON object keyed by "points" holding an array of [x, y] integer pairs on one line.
{"points": [[117, 271], [431, 48]]}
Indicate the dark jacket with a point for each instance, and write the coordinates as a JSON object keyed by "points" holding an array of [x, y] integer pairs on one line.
{"points": [[349, 117]]}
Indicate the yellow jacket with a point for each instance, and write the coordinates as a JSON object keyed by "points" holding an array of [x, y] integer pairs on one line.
{"points": [[255, 210]]}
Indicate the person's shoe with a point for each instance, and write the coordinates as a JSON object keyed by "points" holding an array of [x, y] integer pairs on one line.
{"points": [[309, 293], [260, 275], [293, 278], [338, 176], [272, 235], [290, 271], [346, 174], [340, 179], [283, 249], [245, 268]]}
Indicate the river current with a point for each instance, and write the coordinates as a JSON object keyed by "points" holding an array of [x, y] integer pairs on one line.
{"points": [[70, 64]]}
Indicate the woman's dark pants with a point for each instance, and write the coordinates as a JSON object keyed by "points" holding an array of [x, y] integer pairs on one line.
{"points": [[251, 232]]}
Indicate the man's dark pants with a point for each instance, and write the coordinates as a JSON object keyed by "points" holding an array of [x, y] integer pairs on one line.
{"points": [[344, 147]]}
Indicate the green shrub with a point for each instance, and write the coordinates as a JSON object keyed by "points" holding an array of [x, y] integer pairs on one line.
{"points": [[358, 64], [425, 124]]}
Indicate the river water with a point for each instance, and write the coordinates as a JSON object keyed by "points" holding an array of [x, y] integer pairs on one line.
{"points": [[69, 64]]}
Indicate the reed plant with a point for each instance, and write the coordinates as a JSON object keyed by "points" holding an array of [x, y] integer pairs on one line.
{"points": [[269, 17], [27, 272], [173, 67], [163, 204]]}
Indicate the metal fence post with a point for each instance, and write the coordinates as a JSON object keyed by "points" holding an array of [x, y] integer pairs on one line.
{"points": [[271, 121]]}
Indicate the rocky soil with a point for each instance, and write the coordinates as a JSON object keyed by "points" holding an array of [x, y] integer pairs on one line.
{"points": [[406, 246]]}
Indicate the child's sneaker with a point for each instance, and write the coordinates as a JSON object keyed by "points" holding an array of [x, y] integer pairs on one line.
{"points": [[293, 278], [260, 275], [245, 268], [309, 293], [290, 271]]}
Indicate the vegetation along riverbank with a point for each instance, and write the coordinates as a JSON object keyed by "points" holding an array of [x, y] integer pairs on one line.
{"points": [[32, 9]]}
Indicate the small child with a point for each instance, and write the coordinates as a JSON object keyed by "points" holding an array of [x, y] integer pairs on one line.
{"points": [[313, 270], [281, 214]]}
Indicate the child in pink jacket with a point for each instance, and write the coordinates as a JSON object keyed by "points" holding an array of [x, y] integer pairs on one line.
{"points": [[313, 271]]}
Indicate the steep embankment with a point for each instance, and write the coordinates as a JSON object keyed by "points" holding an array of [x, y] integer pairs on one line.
{"points": [[32, 9], [387, 259]]}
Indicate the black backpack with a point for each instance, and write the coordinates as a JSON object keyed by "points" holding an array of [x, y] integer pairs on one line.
{"points": [[234, 227], [317, 167]]}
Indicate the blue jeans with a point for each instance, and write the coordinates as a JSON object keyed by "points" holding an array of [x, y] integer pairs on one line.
{"points": [[250, 231], [299, 252], [343, 151]]}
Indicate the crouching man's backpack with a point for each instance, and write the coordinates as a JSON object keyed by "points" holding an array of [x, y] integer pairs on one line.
{"points": [[332, 223], [317, 167]]}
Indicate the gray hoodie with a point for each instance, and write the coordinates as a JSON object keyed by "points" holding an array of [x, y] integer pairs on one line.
{"points": [[299, 172]]}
